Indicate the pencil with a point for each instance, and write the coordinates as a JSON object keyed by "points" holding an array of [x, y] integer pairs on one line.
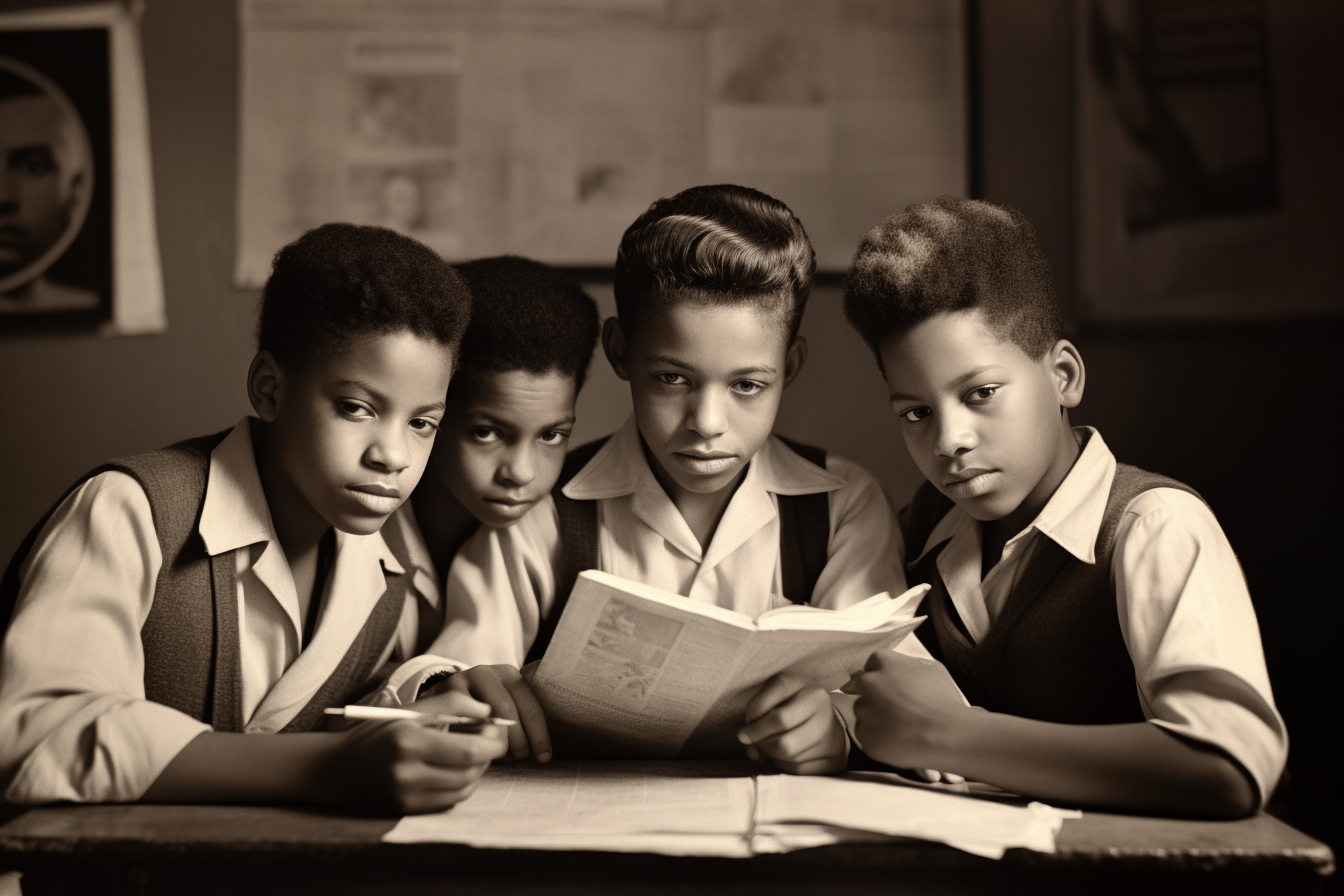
{"points": [[384, 713]]}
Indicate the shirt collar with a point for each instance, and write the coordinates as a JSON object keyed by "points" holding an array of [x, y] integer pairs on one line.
{"points": [[1073, 515], [235, 513], [620, 465]]}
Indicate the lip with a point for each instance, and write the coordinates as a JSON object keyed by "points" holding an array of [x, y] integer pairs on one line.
{"points": [[705, 462], [972, 482], [377, 497], [510, 502]]}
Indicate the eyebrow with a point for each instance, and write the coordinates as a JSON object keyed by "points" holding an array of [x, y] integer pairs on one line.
{"points": [[741, 371], [506, 424], [969, 375], [380, 397]]}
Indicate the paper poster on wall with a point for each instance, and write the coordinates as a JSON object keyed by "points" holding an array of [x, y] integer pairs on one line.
{"points": [[78, 248], [545, 129], [1200, 195]]}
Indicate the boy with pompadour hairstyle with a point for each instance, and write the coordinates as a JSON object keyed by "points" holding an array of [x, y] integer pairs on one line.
{"points": [[176, 602], [1095, 609], [503, 437], [694, 494]]}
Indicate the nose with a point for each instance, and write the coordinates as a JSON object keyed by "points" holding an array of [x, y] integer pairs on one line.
{"points": [[708, 417], [955, 435], [518, 467], [389, 450]]}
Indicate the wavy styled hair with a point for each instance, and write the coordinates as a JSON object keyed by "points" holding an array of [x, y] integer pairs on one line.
{"points": [[715, 245]]}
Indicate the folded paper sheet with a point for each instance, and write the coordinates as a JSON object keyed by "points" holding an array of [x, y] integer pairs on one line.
{"points": [[720, 809]]}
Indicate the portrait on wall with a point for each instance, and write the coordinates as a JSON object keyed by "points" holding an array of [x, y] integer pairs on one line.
{"points": [[55, 200]]}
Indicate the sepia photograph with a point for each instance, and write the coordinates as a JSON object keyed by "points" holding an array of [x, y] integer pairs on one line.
{"points": [[663, 446]]}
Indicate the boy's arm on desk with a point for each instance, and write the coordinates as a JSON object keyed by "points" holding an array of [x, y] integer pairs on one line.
{"points": [[388, 766], [1136, 766]]}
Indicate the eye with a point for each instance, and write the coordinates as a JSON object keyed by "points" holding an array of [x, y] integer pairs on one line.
{"points": [[424, 425], [982, 393], [554, 437], [671, 379], [748, 387], [484, 434], [914, 415], [353, 409]]}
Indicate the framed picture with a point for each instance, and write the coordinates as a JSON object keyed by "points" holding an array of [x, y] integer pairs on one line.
{"points": [[1207, 156], [77, 242]]}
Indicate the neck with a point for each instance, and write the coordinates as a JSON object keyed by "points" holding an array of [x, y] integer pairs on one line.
{"points": [[298, 526], [444, 523], [996, 533], [701, 511]]}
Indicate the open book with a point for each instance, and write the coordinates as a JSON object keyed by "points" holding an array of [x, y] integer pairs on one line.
{"points": [[635, 669]]}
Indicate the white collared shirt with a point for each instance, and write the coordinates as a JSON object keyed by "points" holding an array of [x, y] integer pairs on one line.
{"points": [[1184, 609], [72, 695], [502, 581]]}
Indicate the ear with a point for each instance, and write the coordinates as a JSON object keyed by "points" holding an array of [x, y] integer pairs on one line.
{"points": [[795, 359], [613, 343], [265, 383], [1066, 369]]}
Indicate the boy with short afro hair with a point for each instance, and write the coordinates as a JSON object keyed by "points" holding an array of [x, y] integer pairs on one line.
{"points": [[1095, 609], [510, 408], [695, 494], [176, 602], [502, 442]]}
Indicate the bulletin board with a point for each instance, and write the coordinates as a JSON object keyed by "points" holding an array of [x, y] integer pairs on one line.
{"points": [[544, 129]]}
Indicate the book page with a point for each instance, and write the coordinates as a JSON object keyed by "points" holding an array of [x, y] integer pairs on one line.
{"points": [[827, 659], [639, 671], [632, 668]]}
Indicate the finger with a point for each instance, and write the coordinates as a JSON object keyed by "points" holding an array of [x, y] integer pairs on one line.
{"points": [[452, 703], [795, 710], [485, 685], [531, 718], [452, 749], [810, 740], [774, 692]]}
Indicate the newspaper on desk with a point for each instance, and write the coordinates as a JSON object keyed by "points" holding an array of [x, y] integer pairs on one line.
{"points": [[707, 808]]}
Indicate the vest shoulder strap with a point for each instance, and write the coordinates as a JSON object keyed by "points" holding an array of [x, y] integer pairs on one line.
{"points": [[804, 532], [578, 542]]}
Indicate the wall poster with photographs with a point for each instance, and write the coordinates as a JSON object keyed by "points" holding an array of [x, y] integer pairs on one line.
{"points": [[544, 129], [77, 242], [1207, 164]]}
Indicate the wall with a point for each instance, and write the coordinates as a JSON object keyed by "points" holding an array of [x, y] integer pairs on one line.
{"points": [[1246, 415], [1249, 418]]}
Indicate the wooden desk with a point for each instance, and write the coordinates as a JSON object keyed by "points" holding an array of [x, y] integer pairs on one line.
{"points": [[254, 850]]}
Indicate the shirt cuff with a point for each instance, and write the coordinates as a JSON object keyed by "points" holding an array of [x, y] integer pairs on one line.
{"points": [[403, 686]]}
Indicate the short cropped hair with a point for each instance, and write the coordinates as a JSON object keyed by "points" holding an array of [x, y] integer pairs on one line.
{"points": [[340, 281], [526, 316], [720, 244], [953, 255]]}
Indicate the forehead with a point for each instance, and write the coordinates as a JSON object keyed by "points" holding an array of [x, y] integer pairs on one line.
{"points": [[728, 333], [936, 351], [30, 121], [399, 364], [519, 395]]}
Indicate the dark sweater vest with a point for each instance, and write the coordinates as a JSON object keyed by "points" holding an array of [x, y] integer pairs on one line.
{"points": [[190, 637], [1055, 652]]}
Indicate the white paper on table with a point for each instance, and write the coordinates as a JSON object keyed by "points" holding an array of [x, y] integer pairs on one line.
{"points": [[672, 809], [981, 826]]}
